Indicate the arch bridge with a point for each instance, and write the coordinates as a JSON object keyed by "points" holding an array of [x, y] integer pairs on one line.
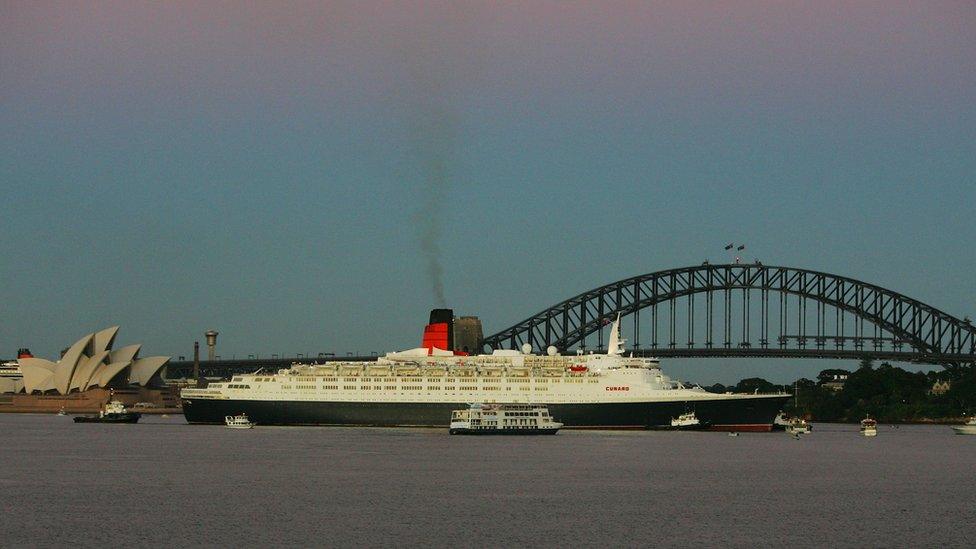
{"points": [[751, 310]]}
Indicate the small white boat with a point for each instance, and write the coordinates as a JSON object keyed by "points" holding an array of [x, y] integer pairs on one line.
{"points": [[798, 426], [61, 412], [968, 428], [733, 434], [238, 422], [869, 427], [687, 420]]}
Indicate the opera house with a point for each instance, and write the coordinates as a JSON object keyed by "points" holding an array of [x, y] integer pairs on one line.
{"points": [[88, 374]]}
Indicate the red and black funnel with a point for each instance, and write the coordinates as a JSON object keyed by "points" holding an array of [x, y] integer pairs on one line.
{"points": [[439, 332]]}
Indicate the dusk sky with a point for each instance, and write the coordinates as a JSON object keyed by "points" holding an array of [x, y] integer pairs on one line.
{"points": [[292, 174]]}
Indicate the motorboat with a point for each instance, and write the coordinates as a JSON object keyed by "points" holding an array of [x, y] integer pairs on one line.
{"points": [[238, 422], [686, 422], [968, 428], [869, 427], [114, 412], [798, 426]]}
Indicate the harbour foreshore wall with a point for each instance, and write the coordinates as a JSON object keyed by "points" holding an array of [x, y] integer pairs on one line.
{"points": [[161, 401]]}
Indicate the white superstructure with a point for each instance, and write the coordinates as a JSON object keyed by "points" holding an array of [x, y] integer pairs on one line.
{"points": [[503, 376]]}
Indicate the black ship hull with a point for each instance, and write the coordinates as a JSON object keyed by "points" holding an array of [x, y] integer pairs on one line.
{"points": [[722, 414]]}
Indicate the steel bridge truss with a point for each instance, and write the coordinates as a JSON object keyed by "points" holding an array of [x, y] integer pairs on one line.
{"points": [[752, 310]]}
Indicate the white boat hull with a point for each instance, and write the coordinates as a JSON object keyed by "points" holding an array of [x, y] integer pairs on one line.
{"points": [[964, 429]]}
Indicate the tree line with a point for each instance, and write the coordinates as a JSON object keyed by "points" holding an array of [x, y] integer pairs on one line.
{"points": [[886, 393]]}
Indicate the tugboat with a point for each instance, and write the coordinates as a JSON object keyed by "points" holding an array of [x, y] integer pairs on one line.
{"points": [[687, 421], [869, 427], [968, 428], [238, 422], [114, 412], [798, 426], [503, 419]]}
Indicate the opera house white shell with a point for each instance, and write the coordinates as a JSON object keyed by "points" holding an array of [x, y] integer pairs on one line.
{"points": [[89, 363]]}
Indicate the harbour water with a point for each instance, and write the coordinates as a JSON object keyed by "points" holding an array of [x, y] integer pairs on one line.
{"points": [[164, 483]]}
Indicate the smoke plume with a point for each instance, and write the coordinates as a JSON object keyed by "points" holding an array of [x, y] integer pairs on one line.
{"points": [[436, 62]]}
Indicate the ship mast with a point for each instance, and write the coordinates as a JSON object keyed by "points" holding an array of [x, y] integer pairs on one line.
{"points": [[615, 345]]}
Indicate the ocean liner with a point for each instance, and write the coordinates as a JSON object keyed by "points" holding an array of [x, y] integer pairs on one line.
{"points": [[420, 387]]}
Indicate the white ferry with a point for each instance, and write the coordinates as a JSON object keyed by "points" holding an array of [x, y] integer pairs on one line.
{"points": [[421, 387], [503, 419]]}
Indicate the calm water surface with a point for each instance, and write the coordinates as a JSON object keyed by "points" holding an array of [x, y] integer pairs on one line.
{"points": [[164, 483]]}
